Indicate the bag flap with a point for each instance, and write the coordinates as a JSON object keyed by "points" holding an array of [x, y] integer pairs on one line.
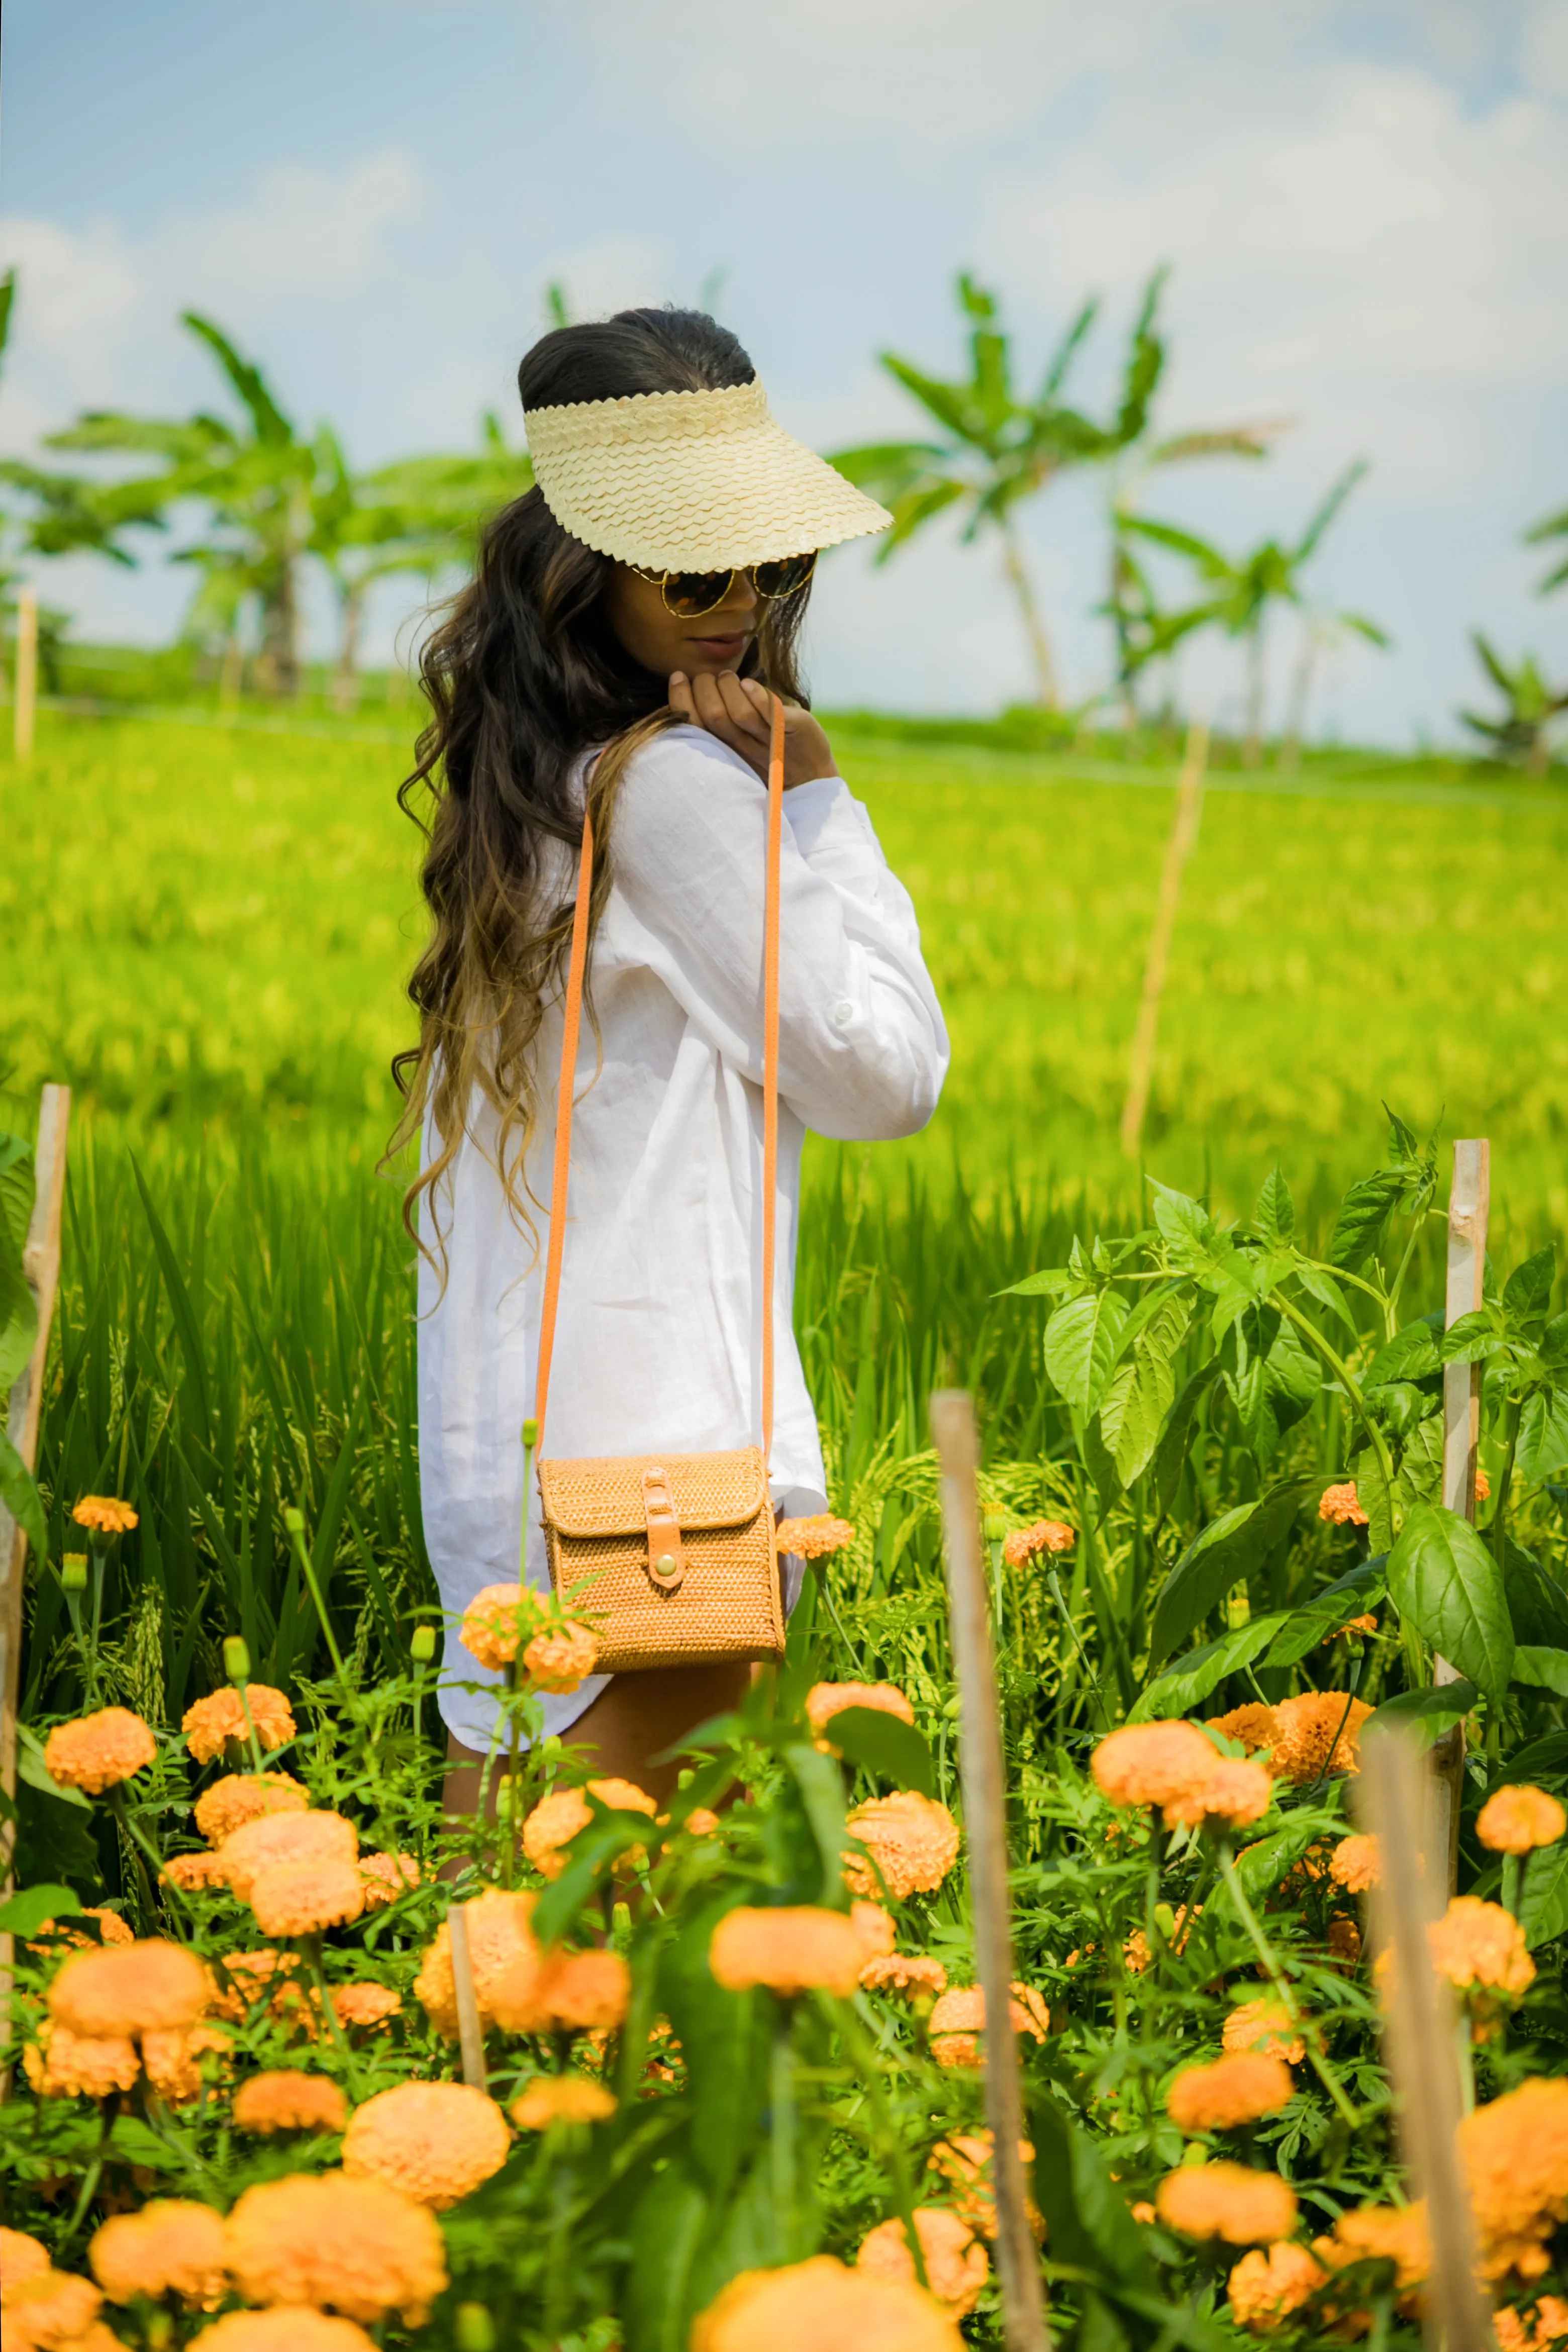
{"points": [[602, 1494]]}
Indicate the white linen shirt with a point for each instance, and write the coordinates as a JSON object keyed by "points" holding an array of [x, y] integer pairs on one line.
{"points": [[658, 1331]]}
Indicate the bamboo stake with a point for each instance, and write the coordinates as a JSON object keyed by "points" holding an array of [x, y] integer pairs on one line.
{"points": [[470, 2037], [1418, 2032], [980, 1770], [1468, 1204], [41, 1265], [27, 671], [1183, 834]]}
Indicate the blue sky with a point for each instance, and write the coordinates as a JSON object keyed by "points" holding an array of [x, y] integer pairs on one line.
{"points": [[1365, 209]]}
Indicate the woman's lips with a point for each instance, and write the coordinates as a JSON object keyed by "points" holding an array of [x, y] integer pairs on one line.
{"points": [[723, 648]]}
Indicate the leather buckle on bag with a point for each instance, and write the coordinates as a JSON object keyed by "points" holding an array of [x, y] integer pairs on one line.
{"points": [[665, 1552]]}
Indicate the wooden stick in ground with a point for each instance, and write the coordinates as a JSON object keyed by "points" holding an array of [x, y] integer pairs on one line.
{"points": [[41, 1265], [26, 702], [984, 1821], [470, 2038], [1419, 2033], [1183, 834], [1468, 1204]]}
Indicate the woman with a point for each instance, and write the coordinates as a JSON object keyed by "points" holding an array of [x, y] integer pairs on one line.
{"points": [[630, 617]]}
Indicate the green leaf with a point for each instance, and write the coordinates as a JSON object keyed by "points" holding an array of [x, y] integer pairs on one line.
{"points": [[1431, 1712], [1049, 1283], [821, 1786], [1470, 1339], [1228, 1549], [1142, 1387], [1537, 1604], [1275, 1216], [1080, 1347], [883, 1744], [666, 2229], [27, 1909], [1542, 1433], [32, 1768], [19, 1315], [1527, 1293], [20, 1496], [1087, 2224], [1542, 1668], [1413, 1354], [1182, 1686], [1364, 1220], [1544, 1896], [1171, 1453], [1442, 1577], [17, 1186], [1261, 1866], [1325, 1290], [1277, 1383], [1348, 1596]]}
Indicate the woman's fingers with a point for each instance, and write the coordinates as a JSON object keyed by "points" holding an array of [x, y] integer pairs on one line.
{"points": [[680, 700]]}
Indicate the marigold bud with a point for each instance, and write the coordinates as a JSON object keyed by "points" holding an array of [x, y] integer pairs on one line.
{"points": [[236, 1658], [422, 1649], [73, 1571]]}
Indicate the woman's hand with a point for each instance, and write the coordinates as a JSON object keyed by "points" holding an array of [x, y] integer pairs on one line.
{"points": [[740, 712]]}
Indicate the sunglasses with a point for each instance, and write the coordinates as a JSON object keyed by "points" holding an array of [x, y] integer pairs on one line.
{"points": [[689, 594]]}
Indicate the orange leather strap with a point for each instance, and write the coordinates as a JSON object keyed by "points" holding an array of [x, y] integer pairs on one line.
{"points": [[571, 1027]]}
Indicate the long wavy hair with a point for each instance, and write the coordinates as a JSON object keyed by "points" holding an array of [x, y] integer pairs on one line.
{"points": [[523, 675]]}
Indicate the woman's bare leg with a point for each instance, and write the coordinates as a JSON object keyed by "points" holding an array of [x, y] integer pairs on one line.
{"points": [[635, 1720]]}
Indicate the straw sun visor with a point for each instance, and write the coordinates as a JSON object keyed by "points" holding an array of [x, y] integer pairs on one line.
{"points": [[690, 481]]}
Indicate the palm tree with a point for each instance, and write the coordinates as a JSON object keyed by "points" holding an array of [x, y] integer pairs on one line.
{"points": [[1554, 526], [1523, 733], [1243, 593], [996, 448]]}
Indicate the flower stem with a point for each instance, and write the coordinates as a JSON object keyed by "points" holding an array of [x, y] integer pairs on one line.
{"points": [[782, 2134], [1277, 1978], [1347, 1379], [311, 1945]]}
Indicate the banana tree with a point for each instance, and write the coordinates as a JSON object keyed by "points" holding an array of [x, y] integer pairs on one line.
{"points": [[1523, 735], [1243, 593], [997, 448]]}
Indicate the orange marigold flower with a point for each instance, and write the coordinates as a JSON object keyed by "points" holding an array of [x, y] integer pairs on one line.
{"points": [[913, 1840], [1356, 1865], [556, 1818], [61, 2065], [50, 2312], [249, 1975], [564, 1992], [241, 1797], [789, 1950], [1253, 1724], [1519, 1819], [369, 2005], [1229, 2201], [359, 2247], [817, 1537], [964, 2160], [285, 2099], [1154, 1763], [1237, 2089], [1534, 2327], [193, 1872], [288, 2327], [1515, 2154], [904, 1972], [1045, 1535], [215, 1720], [1343, 1633], [500, 1945], [700, 1821], [1483, 1485], [301, 1899], [1395, 2233], [172, 2059], [129, 1989], [958, 2020], [386, 1876], [1318, 1734], [559, 1661], [956, 2264], [435, 2141], [98, 1751], [498, 1621], [1265, 2025], [1267, 2288], [106, 1513], [274, 1838], [111, 1929], [823, 2303], [21, 2258], [1136, 1950], [824, 1700], [875, 1928], [1340, 1505], [1235, 1792], [170, 2247], [1479, 1947], [1344, 1943], [561, 2099]]}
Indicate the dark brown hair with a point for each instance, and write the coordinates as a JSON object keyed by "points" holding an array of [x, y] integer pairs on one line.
{"points": [[523, 675]]}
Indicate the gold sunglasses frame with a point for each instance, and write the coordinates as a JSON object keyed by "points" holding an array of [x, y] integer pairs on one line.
{"points": [[769, 596]]}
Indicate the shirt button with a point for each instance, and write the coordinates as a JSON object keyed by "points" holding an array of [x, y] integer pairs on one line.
{"points": [[843, 1013]]}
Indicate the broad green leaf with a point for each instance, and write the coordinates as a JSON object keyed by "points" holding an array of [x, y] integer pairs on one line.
{"points": [[1538, 1759], [1527, 1293], [1185, 1226], [1429, 1712], [1275, 1216], [1413, 1354], [19, 1315], [1537, 1604], [1470, 1339], [1363, 1219], [1261, 1866], [666, 2229], [25, 1913], [1323, 1287], [1542, 1433], [1182, 1686], [1544, 1896], [883, 1744], [1275, 1383], [1228, 1549], [1442, 1577], [1142, 1389], [1171, 1453], [821, 1786], [1307, 1627], [1542, 1668], [17, 1184], [1087, 2220], [20, 1496], [1049, 1283], [1080, 1347]]}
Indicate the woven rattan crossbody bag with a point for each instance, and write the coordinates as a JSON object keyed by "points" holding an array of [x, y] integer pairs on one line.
{"points": [[669, 1557]]}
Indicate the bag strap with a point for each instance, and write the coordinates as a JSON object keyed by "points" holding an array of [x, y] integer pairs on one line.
{"points": [[572, 1025]]}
